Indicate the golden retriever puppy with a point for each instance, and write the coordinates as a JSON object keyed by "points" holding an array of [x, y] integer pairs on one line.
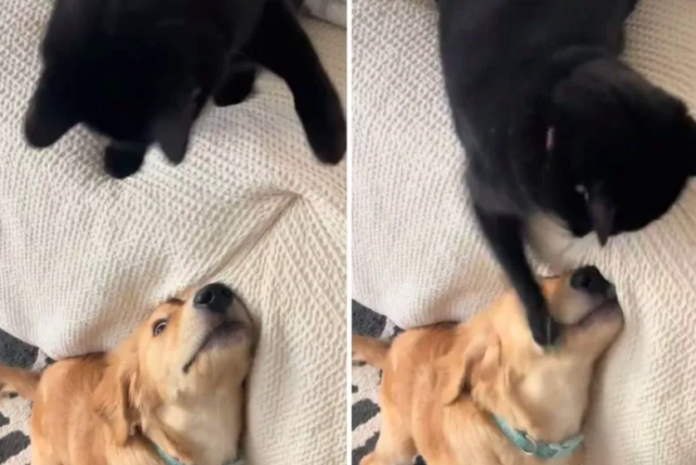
{"points": [[483, 392], [172, 393]]}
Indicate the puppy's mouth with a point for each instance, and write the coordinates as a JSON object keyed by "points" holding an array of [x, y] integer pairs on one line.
{"points": [[225, 333]]}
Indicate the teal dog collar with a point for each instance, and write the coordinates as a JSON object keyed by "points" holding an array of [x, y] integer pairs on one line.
{"points": [[539, 449], [169, 460]]}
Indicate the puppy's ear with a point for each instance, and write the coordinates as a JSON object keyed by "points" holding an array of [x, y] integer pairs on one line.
{"points": [[172, 133], [114, 400], [50, 115], [474, 360]]}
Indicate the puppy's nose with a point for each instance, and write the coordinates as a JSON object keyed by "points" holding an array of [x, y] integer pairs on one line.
{"points": [[215, 298], [590, 280]]}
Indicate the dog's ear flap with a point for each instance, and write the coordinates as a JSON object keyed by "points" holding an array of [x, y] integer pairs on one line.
{"points": [[172, 133], [113, 400], [472, 360], [50, 115]]}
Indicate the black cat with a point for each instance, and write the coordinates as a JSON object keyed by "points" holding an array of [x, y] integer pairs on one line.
{"points": [[141, 71], [553, 122]]}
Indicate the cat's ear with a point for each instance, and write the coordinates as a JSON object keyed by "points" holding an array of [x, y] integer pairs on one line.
{"points": [[677, 129], [50, 115]]}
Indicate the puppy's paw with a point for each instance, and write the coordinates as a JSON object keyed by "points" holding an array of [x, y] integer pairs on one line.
{"points": [[121, 163], [238, 88], [324, 124], [545, 330]]}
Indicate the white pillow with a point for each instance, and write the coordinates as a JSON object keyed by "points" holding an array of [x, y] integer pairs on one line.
{"points": [[333, 11]]}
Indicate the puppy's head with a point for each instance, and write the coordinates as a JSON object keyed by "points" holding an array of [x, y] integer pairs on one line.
{"points": [[544, 393], [136, 76], [621, 149], [186, 352]]}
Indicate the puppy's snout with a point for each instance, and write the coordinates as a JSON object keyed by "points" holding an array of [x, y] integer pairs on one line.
{"points": [[214, 298], [589, 279]]}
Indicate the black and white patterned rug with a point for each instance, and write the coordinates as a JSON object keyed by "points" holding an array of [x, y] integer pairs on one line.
{"points": [[365, 385], [15, 412]]}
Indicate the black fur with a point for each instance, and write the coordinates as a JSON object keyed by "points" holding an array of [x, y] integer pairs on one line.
{"points": [[141, 71], [553, 122]]}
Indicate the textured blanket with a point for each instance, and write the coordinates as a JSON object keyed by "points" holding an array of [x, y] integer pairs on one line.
{"points": [[84, 258], [418, 258]]}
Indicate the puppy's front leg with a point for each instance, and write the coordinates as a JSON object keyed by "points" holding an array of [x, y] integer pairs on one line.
{"points": [[395, 445], [281, 45], [38, 459], [41, 451], [391, 450], [504, 234]]}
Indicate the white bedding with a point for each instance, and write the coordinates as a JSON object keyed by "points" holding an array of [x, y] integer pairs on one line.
{"points": [[84, 258], [418, 257]]}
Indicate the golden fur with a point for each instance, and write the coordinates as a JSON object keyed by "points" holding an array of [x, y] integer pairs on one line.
{"points": [[440, 384], [109, 409]]}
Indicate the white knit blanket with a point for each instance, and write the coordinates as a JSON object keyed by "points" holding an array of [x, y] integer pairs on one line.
{"points": [[84, 258], [418, 258]]}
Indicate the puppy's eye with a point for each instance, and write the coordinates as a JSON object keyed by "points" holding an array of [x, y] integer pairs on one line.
{"points": [[158, 327]]}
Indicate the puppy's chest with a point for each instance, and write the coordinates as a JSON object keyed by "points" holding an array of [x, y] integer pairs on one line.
{"points": [[211, 430], [220, 448]]}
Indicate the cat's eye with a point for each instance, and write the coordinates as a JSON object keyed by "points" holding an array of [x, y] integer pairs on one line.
{"points": [[582, 190], [158, 327]]}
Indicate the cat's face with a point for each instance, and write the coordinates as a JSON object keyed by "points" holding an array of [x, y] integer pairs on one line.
{"points": [[622, 153]]}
